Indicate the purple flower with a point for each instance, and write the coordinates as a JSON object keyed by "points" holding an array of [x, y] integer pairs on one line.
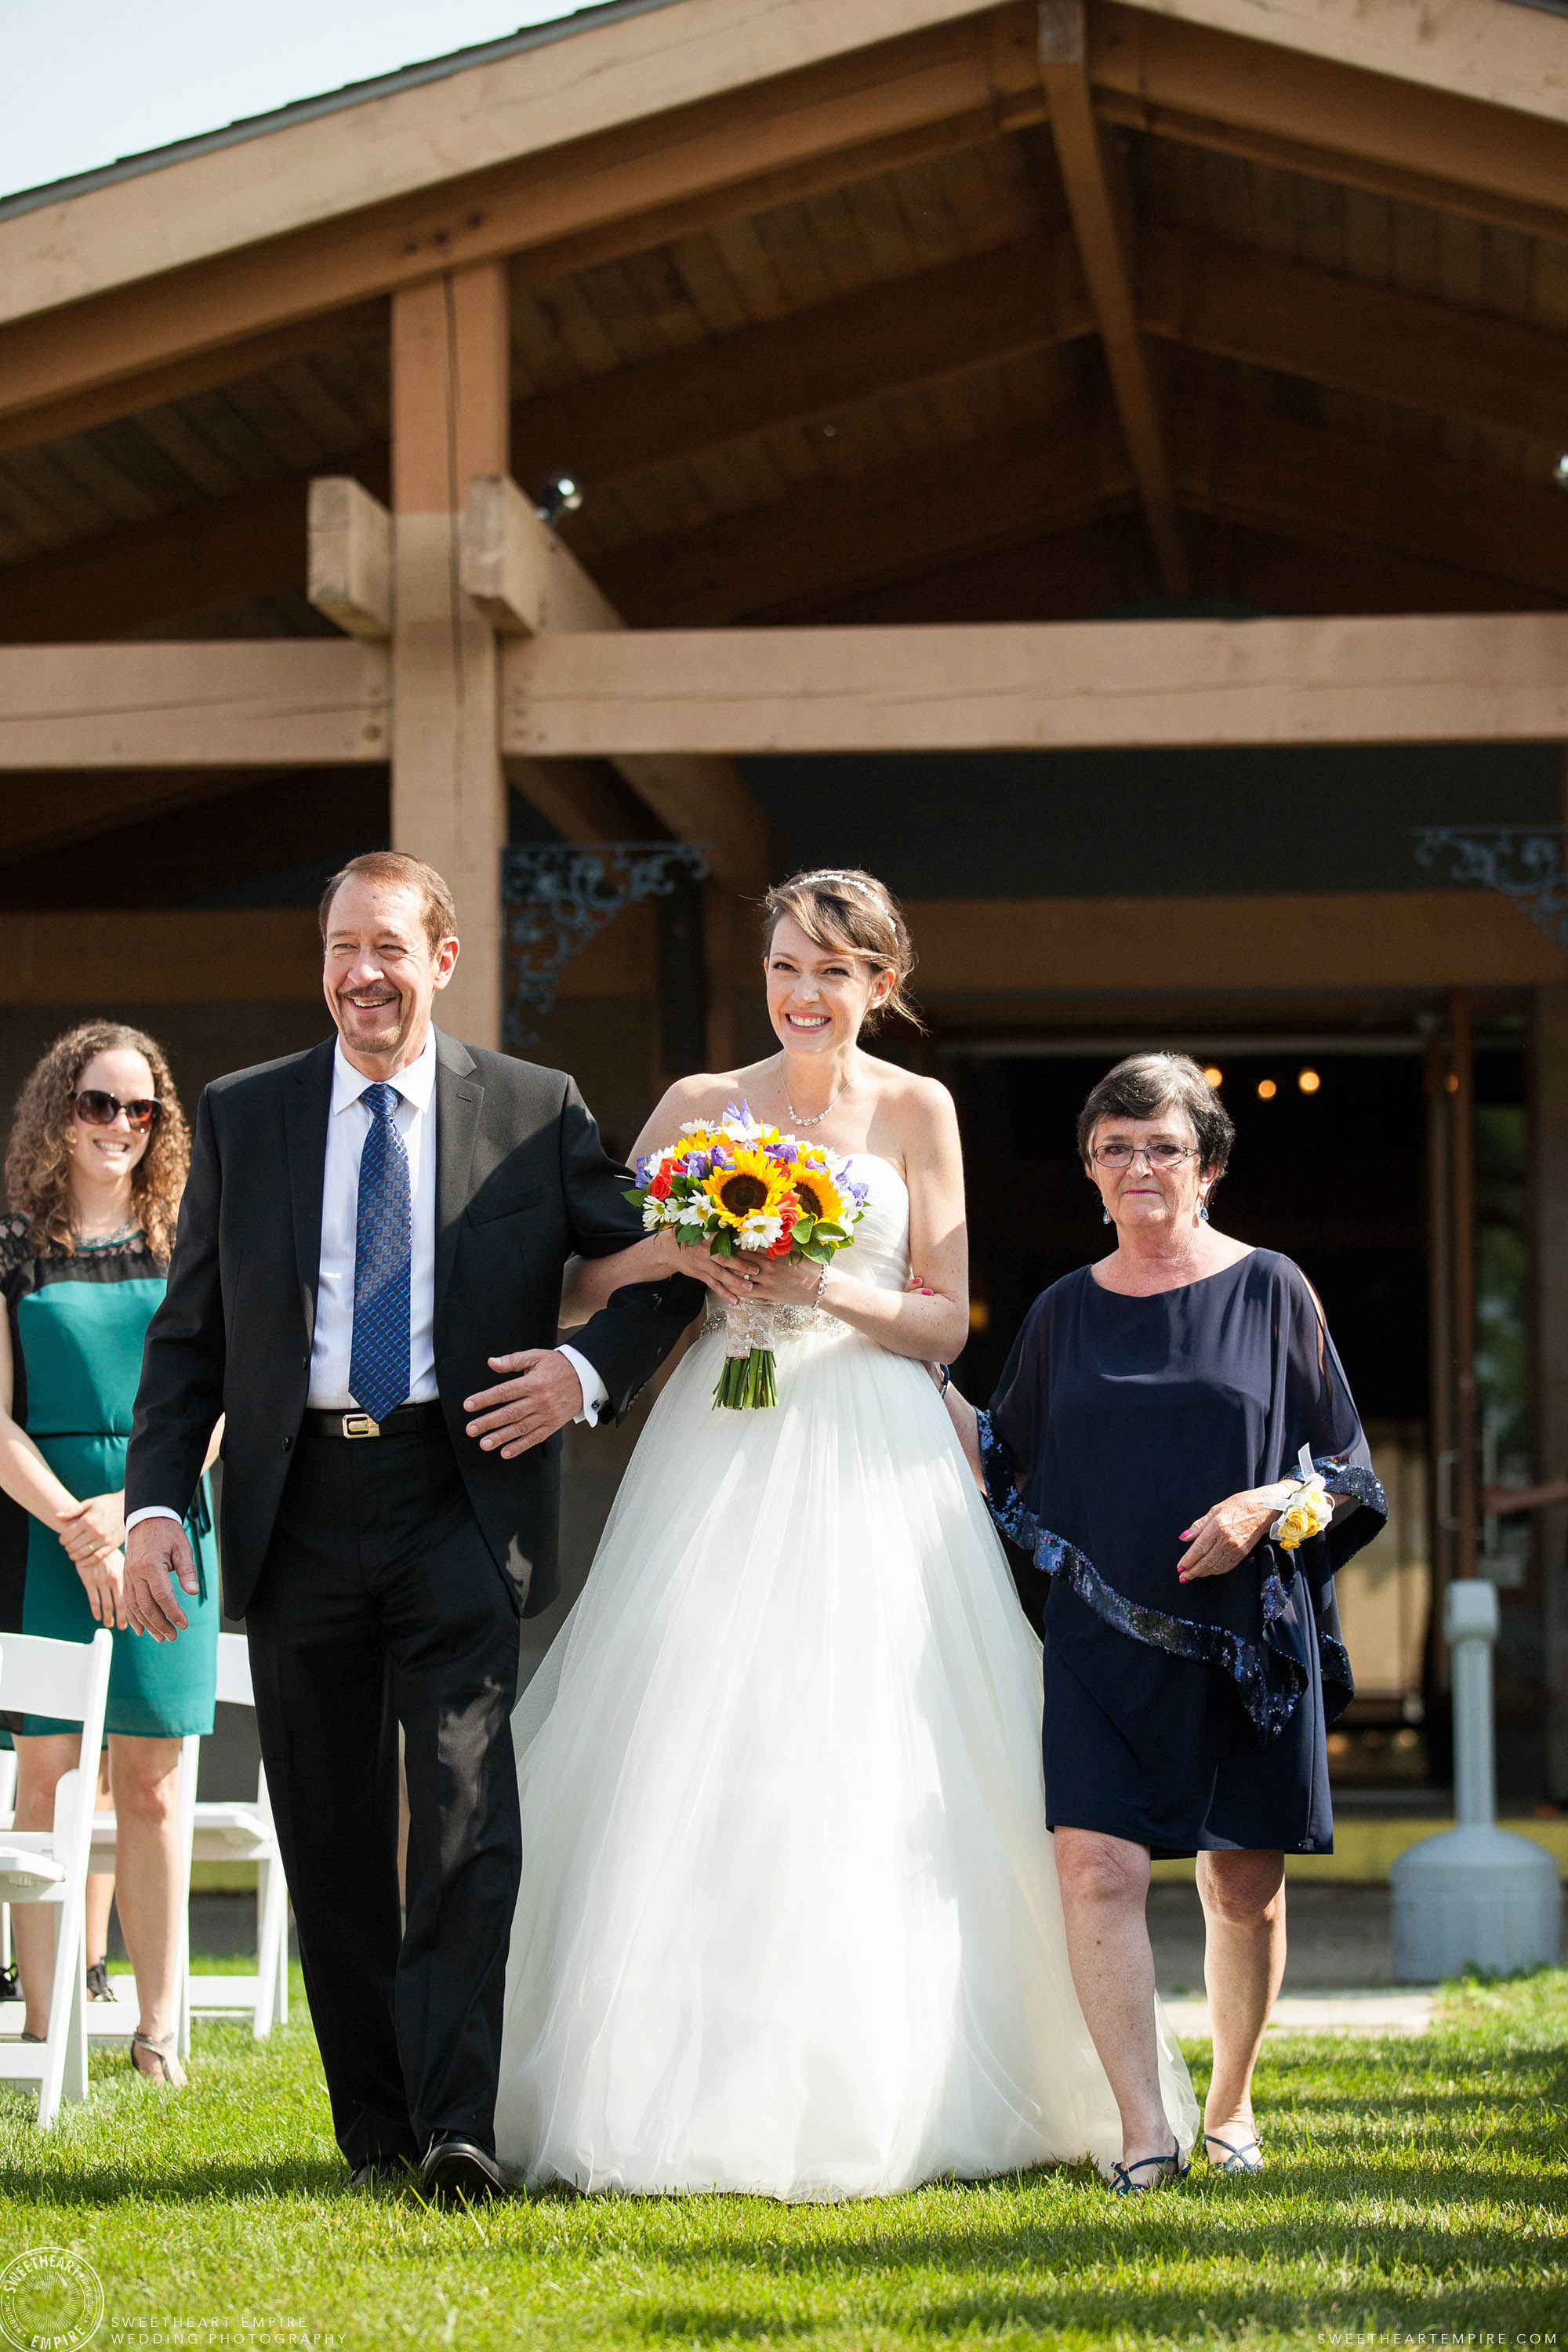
{"points": [[696, 1167]]}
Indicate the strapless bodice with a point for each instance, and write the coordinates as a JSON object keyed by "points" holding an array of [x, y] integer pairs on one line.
{"points": [[878, 1255], [880, 1251]]}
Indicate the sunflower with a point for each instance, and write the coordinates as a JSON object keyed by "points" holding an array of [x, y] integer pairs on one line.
{"points": [[754, 1186], [818, 1195]]}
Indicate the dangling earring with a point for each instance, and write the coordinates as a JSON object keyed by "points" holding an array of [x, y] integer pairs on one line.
{"points": [[1105, 1216], [1203, 1212]]}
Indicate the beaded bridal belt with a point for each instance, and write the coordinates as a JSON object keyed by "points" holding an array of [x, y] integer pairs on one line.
{"points": [[745, 1328]]}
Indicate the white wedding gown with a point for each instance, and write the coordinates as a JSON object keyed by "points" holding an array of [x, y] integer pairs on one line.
{"points": [[789, 1920]]}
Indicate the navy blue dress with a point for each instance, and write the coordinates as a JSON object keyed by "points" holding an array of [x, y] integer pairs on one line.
{"points": [[1183, 1717]]}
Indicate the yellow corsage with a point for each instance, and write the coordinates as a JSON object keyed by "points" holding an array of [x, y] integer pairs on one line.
{"points": [[1307, 1513]]}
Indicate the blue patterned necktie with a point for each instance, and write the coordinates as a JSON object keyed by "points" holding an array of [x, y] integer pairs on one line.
{"points": [[383, 1249]]}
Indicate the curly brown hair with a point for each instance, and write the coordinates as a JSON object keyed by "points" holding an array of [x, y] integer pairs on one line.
{"points": [[38, 1160]]}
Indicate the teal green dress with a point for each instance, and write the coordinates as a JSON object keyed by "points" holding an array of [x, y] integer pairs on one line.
{"points": [[78, 1324]]}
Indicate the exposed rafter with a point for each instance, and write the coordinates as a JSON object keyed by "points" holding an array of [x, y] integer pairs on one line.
{"points": [[1102, 210], [1390, 133], [1244, 305], [1010, 487], [55, 349], [911, 332]]}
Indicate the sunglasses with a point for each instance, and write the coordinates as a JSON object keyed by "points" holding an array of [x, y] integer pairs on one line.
{"points": [[96, 1109]]}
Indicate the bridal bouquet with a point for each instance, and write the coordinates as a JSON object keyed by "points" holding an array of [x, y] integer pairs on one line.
{"points": [[737, 1186]]}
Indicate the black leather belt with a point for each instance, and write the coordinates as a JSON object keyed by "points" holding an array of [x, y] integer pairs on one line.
{"points": [[406, 1422]]}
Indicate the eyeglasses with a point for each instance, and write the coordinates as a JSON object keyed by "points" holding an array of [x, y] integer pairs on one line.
{"points": [[96, 1109], [1156, 1155]]}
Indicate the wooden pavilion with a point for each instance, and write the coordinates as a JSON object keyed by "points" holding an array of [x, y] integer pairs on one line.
{"points": [[1102, 462]]}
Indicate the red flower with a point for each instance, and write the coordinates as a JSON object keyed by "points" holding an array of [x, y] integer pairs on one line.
{"points": [[789, 1213], [660, 1189]]}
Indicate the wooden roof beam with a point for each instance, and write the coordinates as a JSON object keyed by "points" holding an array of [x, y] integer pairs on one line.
{"points": [[1047, 474], [182, 379], [54, 347], [1103, 224], [295, 702], [1241, 304], [1325, 487], [1465, 48], [811, 364], [1380, 130], [1414, 678], [184, 956]]}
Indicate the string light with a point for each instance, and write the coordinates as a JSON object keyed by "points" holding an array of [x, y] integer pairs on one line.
{"points": [[1216, 1077], [1266, 1089], [1308, 1081]]}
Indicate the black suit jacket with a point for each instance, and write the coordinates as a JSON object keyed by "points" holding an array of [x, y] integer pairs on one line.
{"points": [[521, 1183]]}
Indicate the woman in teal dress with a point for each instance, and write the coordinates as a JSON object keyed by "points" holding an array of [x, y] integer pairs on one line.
{"points": [[97, 1163]]}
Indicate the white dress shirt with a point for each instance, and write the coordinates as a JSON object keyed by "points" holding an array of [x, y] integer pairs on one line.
{"points": [[348, 1124], [331, 1343]]}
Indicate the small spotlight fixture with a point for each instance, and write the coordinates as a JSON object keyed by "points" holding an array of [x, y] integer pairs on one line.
{"points": [[1266, 1089], [1308, 1081], [1560, 472], [1214, 1076], [556, 493]]}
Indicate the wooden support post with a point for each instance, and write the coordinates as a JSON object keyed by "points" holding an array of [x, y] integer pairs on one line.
{"points": [[450, 420], [349, 557], [1100, 205]]}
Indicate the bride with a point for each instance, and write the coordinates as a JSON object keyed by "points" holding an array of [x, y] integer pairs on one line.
{"points": [[789, 1920]]}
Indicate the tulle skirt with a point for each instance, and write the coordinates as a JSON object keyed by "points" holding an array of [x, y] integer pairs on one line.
{"points": [[789, 1921]]}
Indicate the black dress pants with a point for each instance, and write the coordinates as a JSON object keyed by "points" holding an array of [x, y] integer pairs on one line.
{"points": [[380, 1603]]}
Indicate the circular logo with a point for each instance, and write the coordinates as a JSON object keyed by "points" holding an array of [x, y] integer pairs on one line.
{"points": [[51, 2301]]}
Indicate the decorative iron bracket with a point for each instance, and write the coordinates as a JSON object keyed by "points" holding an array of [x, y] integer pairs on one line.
{"points": [[557, 896], [1527, 863]]}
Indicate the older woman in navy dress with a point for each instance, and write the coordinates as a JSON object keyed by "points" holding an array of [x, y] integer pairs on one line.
{"points": [[1158, 1415]]}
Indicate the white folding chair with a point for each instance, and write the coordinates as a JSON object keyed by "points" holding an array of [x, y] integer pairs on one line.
{"points": [[69, 1679], [241, 1831]]}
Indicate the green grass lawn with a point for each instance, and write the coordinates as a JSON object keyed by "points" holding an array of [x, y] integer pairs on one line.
{"points": [[1413, 2187]]}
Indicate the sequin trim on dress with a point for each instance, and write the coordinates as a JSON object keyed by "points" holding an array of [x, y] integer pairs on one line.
{"points": [[1269, 1680]]}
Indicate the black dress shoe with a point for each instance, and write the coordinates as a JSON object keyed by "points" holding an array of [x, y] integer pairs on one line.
{"points": [[457, 2171]]}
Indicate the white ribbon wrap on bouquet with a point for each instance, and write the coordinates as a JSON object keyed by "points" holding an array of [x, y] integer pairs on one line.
{"points": [[760, 1324]]}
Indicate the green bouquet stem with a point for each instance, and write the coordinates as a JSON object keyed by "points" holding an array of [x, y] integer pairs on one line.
{"points": [[748, 1382]]}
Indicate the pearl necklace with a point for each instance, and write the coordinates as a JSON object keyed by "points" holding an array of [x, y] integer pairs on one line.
{"points": [[799, 1119]]}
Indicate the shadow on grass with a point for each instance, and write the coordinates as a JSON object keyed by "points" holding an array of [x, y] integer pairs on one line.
{"points": [[172, 2183]]}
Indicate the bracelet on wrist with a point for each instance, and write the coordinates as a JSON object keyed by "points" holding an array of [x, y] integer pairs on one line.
{"points": [[944, 1379]]}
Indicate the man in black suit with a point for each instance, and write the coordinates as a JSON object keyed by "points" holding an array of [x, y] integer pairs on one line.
{"points": [[370, 1231]]}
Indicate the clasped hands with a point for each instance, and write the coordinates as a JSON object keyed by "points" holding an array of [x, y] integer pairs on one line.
{"points": [[92, 1533]]}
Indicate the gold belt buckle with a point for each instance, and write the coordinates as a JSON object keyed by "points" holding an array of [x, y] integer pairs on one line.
{"points": [[360, 1424]]}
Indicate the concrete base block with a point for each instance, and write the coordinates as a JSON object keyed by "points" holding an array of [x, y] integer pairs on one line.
{"points": [[1476, 1897]]}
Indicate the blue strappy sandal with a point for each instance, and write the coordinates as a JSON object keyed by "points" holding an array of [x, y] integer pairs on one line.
{"points": [[1124, 2185], [1246, 2156]]}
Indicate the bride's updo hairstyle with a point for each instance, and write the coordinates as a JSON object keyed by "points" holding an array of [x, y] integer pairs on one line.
{"points": [[840, 906]]}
